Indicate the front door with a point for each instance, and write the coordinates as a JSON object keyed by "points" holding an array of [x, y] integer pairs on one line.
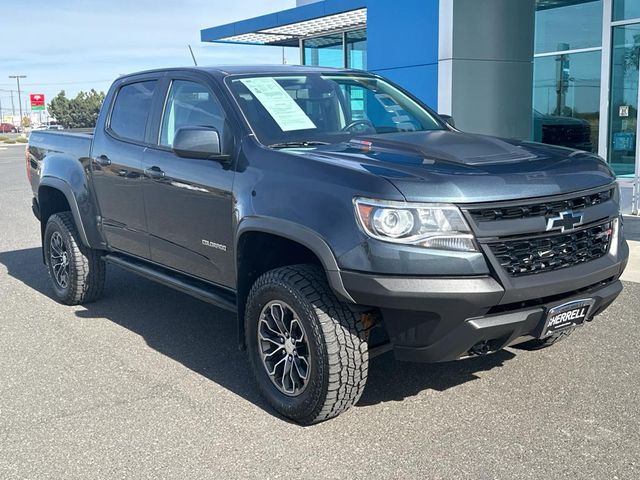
{"points": [[189, 201], [117, 168]]}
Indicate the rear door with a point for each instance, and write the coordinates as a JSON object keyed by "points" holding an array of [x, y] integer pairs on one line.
{"points": [[117, 154], [189, 201]]}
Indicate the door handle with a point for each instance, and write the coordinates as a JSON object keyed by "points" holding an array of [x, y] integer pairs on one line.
{"points": [[154, 172], [103, 161]]}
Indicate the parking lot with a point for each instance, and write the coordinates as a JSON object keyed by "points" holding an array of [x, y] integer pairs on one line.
{"points": [[149, 383]]}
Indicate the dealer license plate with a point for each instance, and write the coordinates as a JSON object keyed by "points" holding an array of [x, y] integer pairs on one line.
{"points": [[567, 315]]}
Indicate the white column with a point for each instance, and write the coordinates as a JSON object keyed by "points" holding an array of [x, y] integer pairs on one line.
{"points": [[485, 66], [605, 78], [445, 57]]}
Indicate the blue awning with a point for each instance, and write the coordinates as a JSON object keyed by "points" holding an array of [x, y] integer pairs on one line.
{"points": [[287, 27]]}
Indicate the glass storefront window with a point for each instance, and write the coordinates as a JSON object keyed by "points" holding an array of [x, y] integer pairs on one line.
{"points": [[568, 24], [626, 9], [357, 49], [566, 100], [327, 51], [624, 99]]}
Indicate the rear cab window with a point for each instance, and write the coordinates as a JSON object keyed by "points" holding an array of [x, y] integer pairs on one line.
{"points": [[130, 111]]}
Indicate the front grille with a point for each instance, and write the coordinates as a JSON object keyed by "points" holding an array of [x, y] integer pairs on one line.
{"points": [[542, 209], [546, 253]]}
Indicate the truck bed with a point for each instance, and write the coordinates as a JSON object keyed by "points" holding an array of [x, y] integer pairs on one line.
{"points": [[73, 143]]}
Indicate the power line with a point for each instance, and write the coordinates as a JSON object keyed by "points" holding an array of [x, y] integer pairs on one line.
{"points": [[62, 83]]}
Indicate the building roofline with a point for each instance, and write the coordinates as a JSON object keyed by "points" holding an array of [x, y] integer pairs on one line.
{"points": [[259, 30]]}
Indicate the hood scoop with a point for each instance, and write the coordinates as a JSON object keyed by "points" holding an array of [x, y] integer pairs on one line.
{"points": [[456, 147], [510, 157]]}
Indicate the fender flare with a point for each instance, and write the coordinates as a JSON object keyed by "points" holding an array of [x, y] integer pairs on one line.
{"points": [[304, 236], [67, 191]]}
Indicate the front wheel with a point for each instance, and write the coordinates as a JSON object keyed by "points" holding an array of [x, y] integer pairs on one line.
{"points": [[308, 350]]}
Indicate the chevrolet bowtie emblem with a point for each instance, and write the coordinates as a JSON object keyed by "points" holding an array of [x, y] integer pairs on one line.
{"points": [[565, 221]]}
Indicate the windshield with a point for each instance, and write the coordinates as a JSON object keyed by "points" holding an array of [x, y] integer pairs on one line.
{"points": [[313, 109]]}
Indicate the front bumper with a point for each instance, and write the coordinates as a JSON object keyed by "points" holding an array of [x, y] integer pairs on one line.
{"points": [[443, 319]]}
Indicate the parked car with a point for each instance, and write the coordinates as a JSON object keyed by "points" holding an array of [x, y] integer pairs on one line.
{"points": [[8, 128], [563, 131], [337, 217]]}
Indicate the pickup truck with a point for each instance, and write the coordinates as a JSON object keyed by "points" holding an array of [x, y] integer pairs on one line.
{"points": [[335, 214]]}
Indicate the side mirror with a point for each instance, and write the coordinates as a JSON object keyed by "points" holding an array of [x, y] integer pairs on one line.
{"points": [[448, 119], [198, 142]]}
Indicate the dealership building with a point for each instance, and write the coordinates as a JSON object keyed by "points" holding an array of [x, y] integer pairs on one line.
{"points": [[563, 72]]}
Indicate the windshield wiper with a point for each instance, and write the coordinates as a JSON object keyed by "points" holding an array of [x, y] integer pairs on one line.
{"points": [[298, 144]]}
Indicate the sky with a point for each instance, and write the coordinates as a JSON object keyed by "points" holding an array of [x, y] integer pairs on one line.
{"points": [[76, 45]]}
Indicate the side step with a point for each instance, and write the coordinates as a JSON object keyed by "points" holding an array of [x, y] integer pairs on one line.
{"points": [[196, 288]]}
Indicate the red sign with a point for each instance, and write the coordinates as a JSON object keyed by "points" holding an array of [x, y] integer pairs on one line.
{"points": [[37, 99]]}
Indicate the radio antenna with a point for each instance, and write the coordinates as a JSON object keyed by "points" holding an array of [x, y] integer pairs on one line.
{"points": [[193, 56]]}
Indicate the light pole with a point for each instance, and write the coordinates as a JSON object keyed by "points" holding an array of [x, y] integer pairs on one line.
{"points": [[18, 77]]}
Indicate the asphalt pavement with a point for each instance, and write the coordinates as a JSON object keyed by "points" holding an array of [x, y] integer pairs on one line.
{"points": [[148, 383]]}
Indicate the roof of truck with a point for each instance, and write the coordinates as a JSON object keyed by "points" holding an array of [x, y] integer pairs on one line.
{"points": [[249, 69], [225, 70]]}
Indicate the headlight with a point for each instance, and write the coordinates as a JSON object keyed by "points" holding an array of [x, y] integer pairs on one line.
{"points": [[438, 226]]}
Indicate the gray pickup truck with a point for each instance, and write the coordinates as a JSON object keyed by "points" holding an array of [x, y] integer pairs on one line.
{"points": [[335, 214]]}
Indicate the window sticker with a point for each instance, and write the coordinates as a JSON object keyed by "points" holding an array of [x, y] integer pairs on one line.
{"points": [[284, 110]]}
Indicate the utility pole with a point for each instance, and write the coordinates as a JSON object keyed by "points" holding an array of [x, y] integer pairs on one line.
{"points": [[13, 107], [18, 77]]}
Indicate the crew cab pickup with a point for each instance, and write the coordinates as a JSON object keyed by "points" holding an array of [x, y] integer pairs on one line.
{"points": [[335, 214]]}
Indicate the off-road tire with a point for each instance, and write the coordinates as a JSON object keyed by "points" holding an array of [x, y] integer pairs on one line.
{"points": [[336, 336], [86, 267]]}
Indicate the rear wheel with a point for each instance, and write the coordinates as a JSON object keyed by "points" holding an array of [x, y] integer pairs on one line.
{"points": [[308, 350], [77, 273]]}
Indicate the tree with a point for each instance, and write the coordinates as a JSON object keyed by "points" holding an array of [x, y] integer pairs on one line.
{"points": [[79, 112], [59, 109]]}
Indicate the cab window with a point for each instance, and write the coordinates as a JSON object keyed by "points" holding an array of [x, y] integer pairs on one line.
{"points": [[131, 110], [191, 104]]}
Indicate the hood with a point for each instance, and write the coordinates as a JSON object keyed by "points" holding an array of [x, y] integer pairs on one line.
{"points": [[450, 166]]}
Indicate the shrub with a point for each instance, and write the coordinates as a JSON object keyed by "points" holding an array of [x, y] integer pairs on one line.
{"points": [[10, 142], [21, 140], [3, 138]]}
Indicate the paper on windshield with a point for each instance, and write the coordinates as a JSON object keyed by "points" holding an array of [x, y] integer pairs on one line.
{"points": [[284, 110]]}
